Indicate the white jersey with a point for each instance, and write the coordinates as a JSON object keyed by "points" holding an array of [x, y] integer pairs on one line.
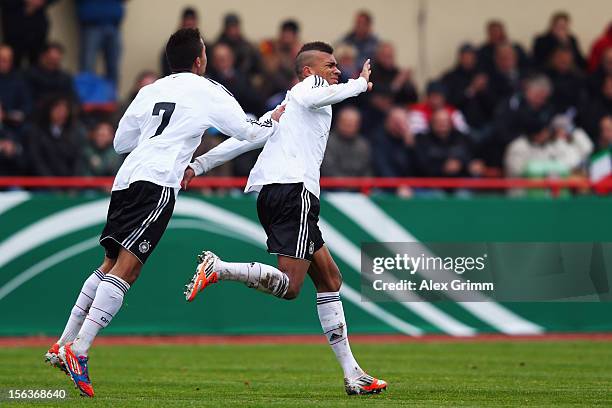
{"points": [[163, 126], [294, 153]]}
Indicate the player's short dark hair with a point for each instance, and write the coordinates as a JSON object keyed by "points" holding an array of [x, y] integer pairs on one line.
{"points": [[317, 46], [290, 25], [301, 61], [183, 47]]}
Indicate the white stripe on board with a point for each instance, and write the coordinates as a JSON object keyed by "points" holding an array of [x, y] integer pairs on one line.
{"points": [[12, 199], [383, 228], [55, 225], [351, 255], [45, 264]]}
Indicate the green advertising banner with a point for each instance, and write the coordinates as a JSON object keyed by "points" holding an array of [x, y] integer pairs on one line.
{"points": [[49, 245]]}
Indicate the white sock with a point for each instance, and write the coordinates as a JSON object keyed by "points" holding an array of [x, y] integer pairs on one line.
{"points": [[106, 304], [81, 307], [262, 277], [332, 320]]}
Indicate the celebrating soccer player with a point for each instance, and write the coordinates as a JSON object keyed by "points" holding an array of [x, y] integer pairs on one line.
{"points": [[287, 177], [161, 130]]}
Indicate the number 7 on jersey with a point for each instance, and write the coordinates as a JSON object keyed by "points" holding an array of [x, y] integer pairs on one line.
{"points": [[168, 108]]}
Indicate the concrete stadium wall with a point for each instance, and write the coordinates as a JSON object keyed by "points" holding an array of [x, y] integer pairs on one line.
{"points": [[448, 23]]}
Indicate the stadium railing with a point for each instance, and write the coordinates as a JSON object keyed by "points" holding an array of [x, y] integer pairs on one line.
{"points": [[362, 184]]}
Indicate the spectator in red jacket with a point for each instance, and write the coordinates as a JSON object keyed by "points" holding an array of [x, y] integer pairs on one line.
{"points": [[420, 113], [601, 44]]}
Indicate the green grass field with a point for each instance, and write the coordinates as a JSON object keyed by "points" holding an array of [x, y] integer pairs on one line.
{"points": [[420, 374]]}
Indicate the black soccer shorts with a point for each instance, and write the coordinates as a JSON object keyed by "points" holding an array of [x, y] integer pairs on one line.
{"points": [[137, 218], [290, 216]]}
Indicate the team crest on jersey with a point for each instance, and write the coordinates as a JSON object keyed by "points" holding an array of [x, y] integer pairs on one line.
{"points": [[144, 246], [311, 248]]}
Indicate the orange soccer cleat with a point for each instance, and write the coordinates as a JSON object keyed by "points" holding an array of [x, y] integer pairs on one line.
{"points": [[364, 384], [77, 368], [205, 275], [53, 359]]}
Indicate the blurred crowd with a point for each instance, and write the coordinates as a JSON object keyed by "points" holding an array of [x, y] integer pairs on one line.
{"points": [[501, 110]]}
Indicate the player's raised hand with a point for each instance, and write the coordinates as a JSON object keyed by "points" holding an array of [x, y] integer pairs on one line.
{"points": [[187, 177], [278, 112], [365, 73]]}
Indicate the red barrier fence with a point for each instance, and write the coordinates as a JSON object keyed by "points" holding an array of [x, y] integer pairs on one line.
{"points": [[363, 184]]}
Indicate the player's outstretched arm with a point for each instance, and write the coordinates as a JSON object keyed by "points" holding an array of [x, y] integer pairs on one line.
{"points": [[316, 92], [228, 150], [231, 120]]}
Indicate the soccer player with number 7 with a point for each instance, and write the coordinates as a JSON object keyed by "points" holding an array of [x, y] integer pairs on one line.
{"points": [[160, 130]]}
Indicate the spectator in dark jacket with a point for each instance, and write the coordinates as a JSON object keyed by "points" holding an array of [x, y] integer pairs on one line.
{"points": [[48, 77], [98, 157], [54, 140], [361, 37], [25, 26], [246, 57], [496, 35], [604, 140], [348, 152], [468, 89], [506, 78], [569, 86], [392, 147], [99, 21], [511, 119], [12, 160], [394, 86], [14, 93], [557, 35], [445, 152], [600, 105], [222, 69]]}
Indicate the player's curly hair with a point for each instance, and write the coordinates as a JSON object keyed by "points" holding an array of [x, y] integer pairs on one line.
{"points": [[303, 56], [183, 47]]}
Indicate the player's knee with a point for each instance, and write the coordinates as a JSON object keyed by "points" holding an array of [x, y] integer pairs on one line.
{"points": [[107, 265], [335, 282], [292, 292], [127, 274]]}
